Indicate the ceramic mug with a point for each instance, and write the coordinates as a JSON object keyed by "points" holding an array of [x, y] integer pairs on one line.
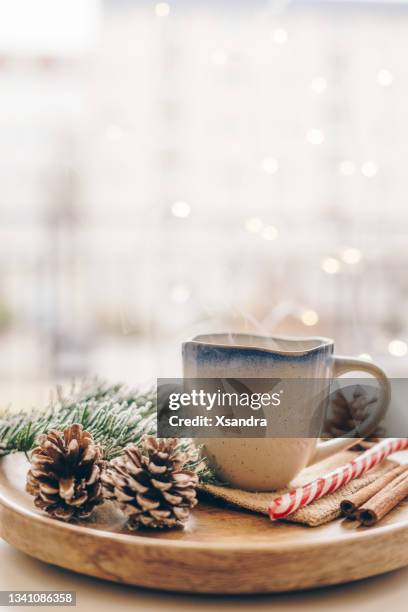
{"points": [[264, 464]]}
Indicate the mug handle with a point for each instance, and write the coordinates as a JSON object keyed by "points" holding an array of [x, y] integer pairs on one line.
{"points": [[349, 364]]}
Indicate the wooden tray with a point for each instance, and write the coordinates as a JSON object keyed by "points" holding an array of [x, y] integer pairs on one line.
{"points": [[221, 550]]}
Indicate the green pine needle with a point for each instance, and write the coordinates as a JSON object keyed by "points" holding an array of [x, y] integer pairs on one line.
{"points": [[113, 414]]}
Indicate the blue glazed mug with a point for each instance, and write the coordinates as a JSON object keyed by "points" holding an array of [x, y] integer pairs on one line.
{"points": [[264, 464]]}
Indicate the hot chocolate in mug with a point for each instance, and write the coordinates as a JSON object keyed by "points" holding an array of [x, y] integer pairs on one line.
{"points": [[264, 464]]}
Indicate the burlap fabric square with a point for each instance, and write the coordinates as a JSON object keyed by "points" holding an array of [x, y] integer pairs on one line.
{"points": [[319, 512]]}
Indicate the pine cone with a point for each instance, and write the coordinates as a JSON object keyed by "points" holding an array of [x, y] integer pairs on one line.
{"points": [[65, 473], [346, 414], [151, 485]]}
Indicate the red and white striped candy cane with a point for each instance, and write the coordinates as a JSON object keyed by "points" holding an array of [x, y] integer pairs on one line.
{"points": [[298, 498]]}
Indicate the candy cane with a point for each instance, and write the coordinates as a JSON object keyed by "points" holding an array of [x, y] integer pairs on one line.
{"points": [[298, 498]]}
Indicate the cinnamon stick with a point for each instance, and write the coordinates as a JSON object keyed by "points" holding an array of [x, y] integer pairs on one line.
{"points": [[384, 501], [350, 505]]}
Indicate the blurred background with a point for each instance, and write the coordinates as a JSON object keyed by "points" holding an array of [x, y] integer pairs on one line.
{"points": [[171, 168]]}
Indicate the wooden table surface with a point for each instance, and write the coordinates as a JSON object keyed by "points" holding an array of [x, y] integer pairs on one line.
{"points": [[19, 572]]}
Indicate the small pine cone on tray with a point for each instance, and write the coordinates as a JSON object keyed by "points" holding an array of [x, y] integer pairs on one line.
{"points": [[151, 484], [65, 473], [347, 413]]}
